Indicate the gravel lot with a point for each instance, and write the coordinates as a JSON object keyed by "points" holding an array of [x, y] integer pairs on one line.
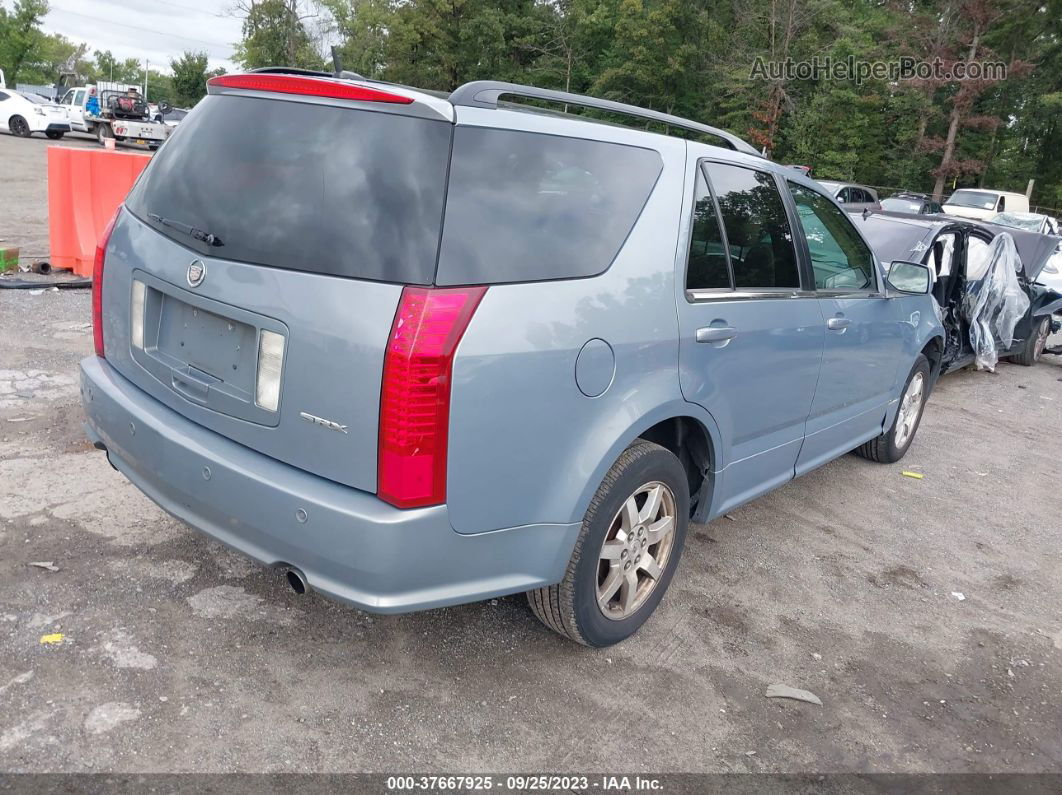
{"points": [[178, 655]]}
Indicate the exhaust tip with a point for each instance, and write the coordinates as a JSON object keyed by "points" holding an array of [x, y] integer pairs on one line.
{"points": [[297, 581]]}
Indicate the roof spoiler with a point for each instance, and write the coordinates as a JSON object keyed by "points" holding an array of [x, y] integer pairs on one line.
{"points": [[485, 94]]}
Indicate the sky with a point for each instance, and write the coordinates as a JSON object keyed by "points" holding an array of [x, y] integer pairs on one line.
{"points": [[158, 30]]}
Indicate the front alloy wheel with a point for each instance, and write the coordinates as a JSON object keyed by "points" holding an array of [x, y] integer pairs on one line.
{"points": [[910, 409]]}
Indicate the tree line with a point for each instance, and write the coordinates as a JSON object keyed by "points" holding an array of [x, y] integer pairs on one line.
{"points": [[695, 58], [929, 132]]}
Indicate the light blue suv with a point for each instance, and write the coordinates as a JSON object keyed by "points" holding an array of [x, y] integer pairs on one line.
{"points": [[419, 351]]}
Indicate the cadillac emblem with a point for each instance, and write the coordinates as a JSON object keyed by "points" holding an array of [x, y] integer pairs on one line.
{"points": [[196, 273]]}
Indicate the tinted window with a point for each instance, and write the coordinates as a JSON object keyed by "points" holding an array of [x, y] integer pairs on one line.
{"points": [[757, 230], [706, 268], [3, 96], [528, 207], [305, 187], [840, 258]]}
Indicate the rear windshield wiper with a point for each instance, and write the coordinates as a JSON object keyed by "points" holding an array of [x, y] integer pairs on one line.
{"points": [[191, 231]]}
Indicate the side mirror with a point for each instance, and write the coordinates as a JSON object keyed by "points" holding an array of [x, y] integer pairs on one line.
{"points": [[909, 277], [165, 107]]}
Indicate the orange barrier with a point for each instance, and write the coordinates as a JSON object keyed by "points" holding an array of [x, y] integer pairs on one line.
{"points": [[85, 186]]}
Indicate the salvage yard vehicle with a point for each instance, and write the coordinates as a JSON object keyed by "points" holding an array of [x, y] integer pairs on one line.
{"points": [[990, 292], [24, 114], [419, 351], [855, 198], [911, 204], [115, 114], [1033, 222], [982, 204]]}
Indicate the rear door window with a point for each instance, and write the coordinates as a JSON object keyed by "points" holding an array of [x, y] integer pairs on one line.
{"points": [[331, 190], [527, 207], [758, 236]]}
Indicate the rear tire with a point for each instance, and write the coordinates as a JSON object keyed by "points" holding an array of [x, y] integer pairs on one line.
{"points": [[627, 552], [103, 132], [55, 135], [1033, 348], [892, 445], [19, 126]]}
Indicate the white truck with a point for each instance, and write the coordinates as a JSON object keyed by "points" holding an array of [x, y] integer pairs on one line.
{"points": [[117, 113]]}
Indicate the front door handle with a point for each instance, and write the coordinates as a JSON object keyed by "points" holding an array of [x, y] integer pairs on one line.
{"points": [[838, 323], [716, 333]]}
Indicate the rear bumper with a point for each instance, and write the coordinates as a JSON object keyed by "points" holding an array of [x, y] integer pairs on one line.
{"points": [[348, 544]]}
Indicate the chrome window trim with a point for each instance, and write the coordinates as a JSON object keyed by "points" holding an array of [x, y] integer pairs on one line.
{"points": [[707, 295]]}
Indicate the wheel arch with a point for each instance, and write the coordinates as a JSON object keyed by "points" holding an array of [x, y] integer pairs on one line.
{"points": [[687, 430]]}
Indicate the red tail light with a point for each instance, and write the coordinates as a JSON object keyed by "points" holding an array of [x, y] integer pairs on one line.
{"points": [[415, 399], [307, 86], [97, 283]]}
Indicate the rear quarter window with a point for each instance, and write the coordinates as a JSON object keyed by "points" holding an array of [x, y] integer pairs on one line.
{"points": [[531, 207]]}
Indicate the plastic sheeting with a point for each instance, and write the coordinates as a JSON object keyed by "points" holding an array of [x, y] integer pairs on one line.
{"points": [[995, 303]]}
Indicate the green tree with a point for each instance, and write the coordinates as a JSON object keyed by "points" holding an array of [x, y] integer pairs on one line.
{"points": [[189, 77], [21, 39], [274, 34]]}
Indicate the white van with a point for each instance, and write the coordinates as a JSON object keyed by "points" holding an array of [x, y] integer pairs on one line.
{"points": [[982, 204]]}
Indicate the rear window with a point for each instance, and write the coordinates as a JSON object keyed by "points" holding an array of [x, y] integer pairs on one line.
{"points": [[528, 207], [305, 187]]}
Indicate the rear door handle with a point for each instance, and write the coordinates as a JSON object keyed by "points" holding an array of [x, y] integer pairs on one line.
{"points": [[838, 323], [716, 333]]}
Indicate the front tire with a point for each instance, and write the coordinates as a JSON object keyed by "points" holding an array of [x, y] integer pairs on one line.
{"points": [[1033, 347], [627, 552], [19, 126], [892, 445]]}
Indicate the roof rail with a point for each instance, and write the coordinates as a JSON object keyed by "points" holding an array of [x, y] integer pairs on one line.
{"points": [[485, 94]]}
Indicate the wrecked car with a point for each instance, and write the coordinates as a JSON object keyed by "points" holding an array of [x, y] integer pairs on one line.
{"points": [[986, 284]]}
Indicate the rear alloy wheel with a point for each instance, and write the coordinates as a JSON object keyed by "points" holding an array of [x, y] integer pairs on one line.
{"points": [[19, 126], [627, 551], [1033, 348], [636, 551], [892, 445]]}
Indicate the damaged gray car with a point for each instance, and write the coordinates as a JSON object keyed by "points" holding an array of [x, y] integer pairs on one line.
{"points": [[986, 282]]}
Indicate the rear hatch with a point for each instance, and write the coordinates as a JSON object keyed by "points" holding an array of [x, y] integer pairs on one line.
{"points": [[252, 280]]}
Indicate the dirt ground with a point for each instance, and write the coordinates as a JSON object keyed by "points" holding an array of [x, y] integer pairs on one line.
{"points": [[178, 655]]}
